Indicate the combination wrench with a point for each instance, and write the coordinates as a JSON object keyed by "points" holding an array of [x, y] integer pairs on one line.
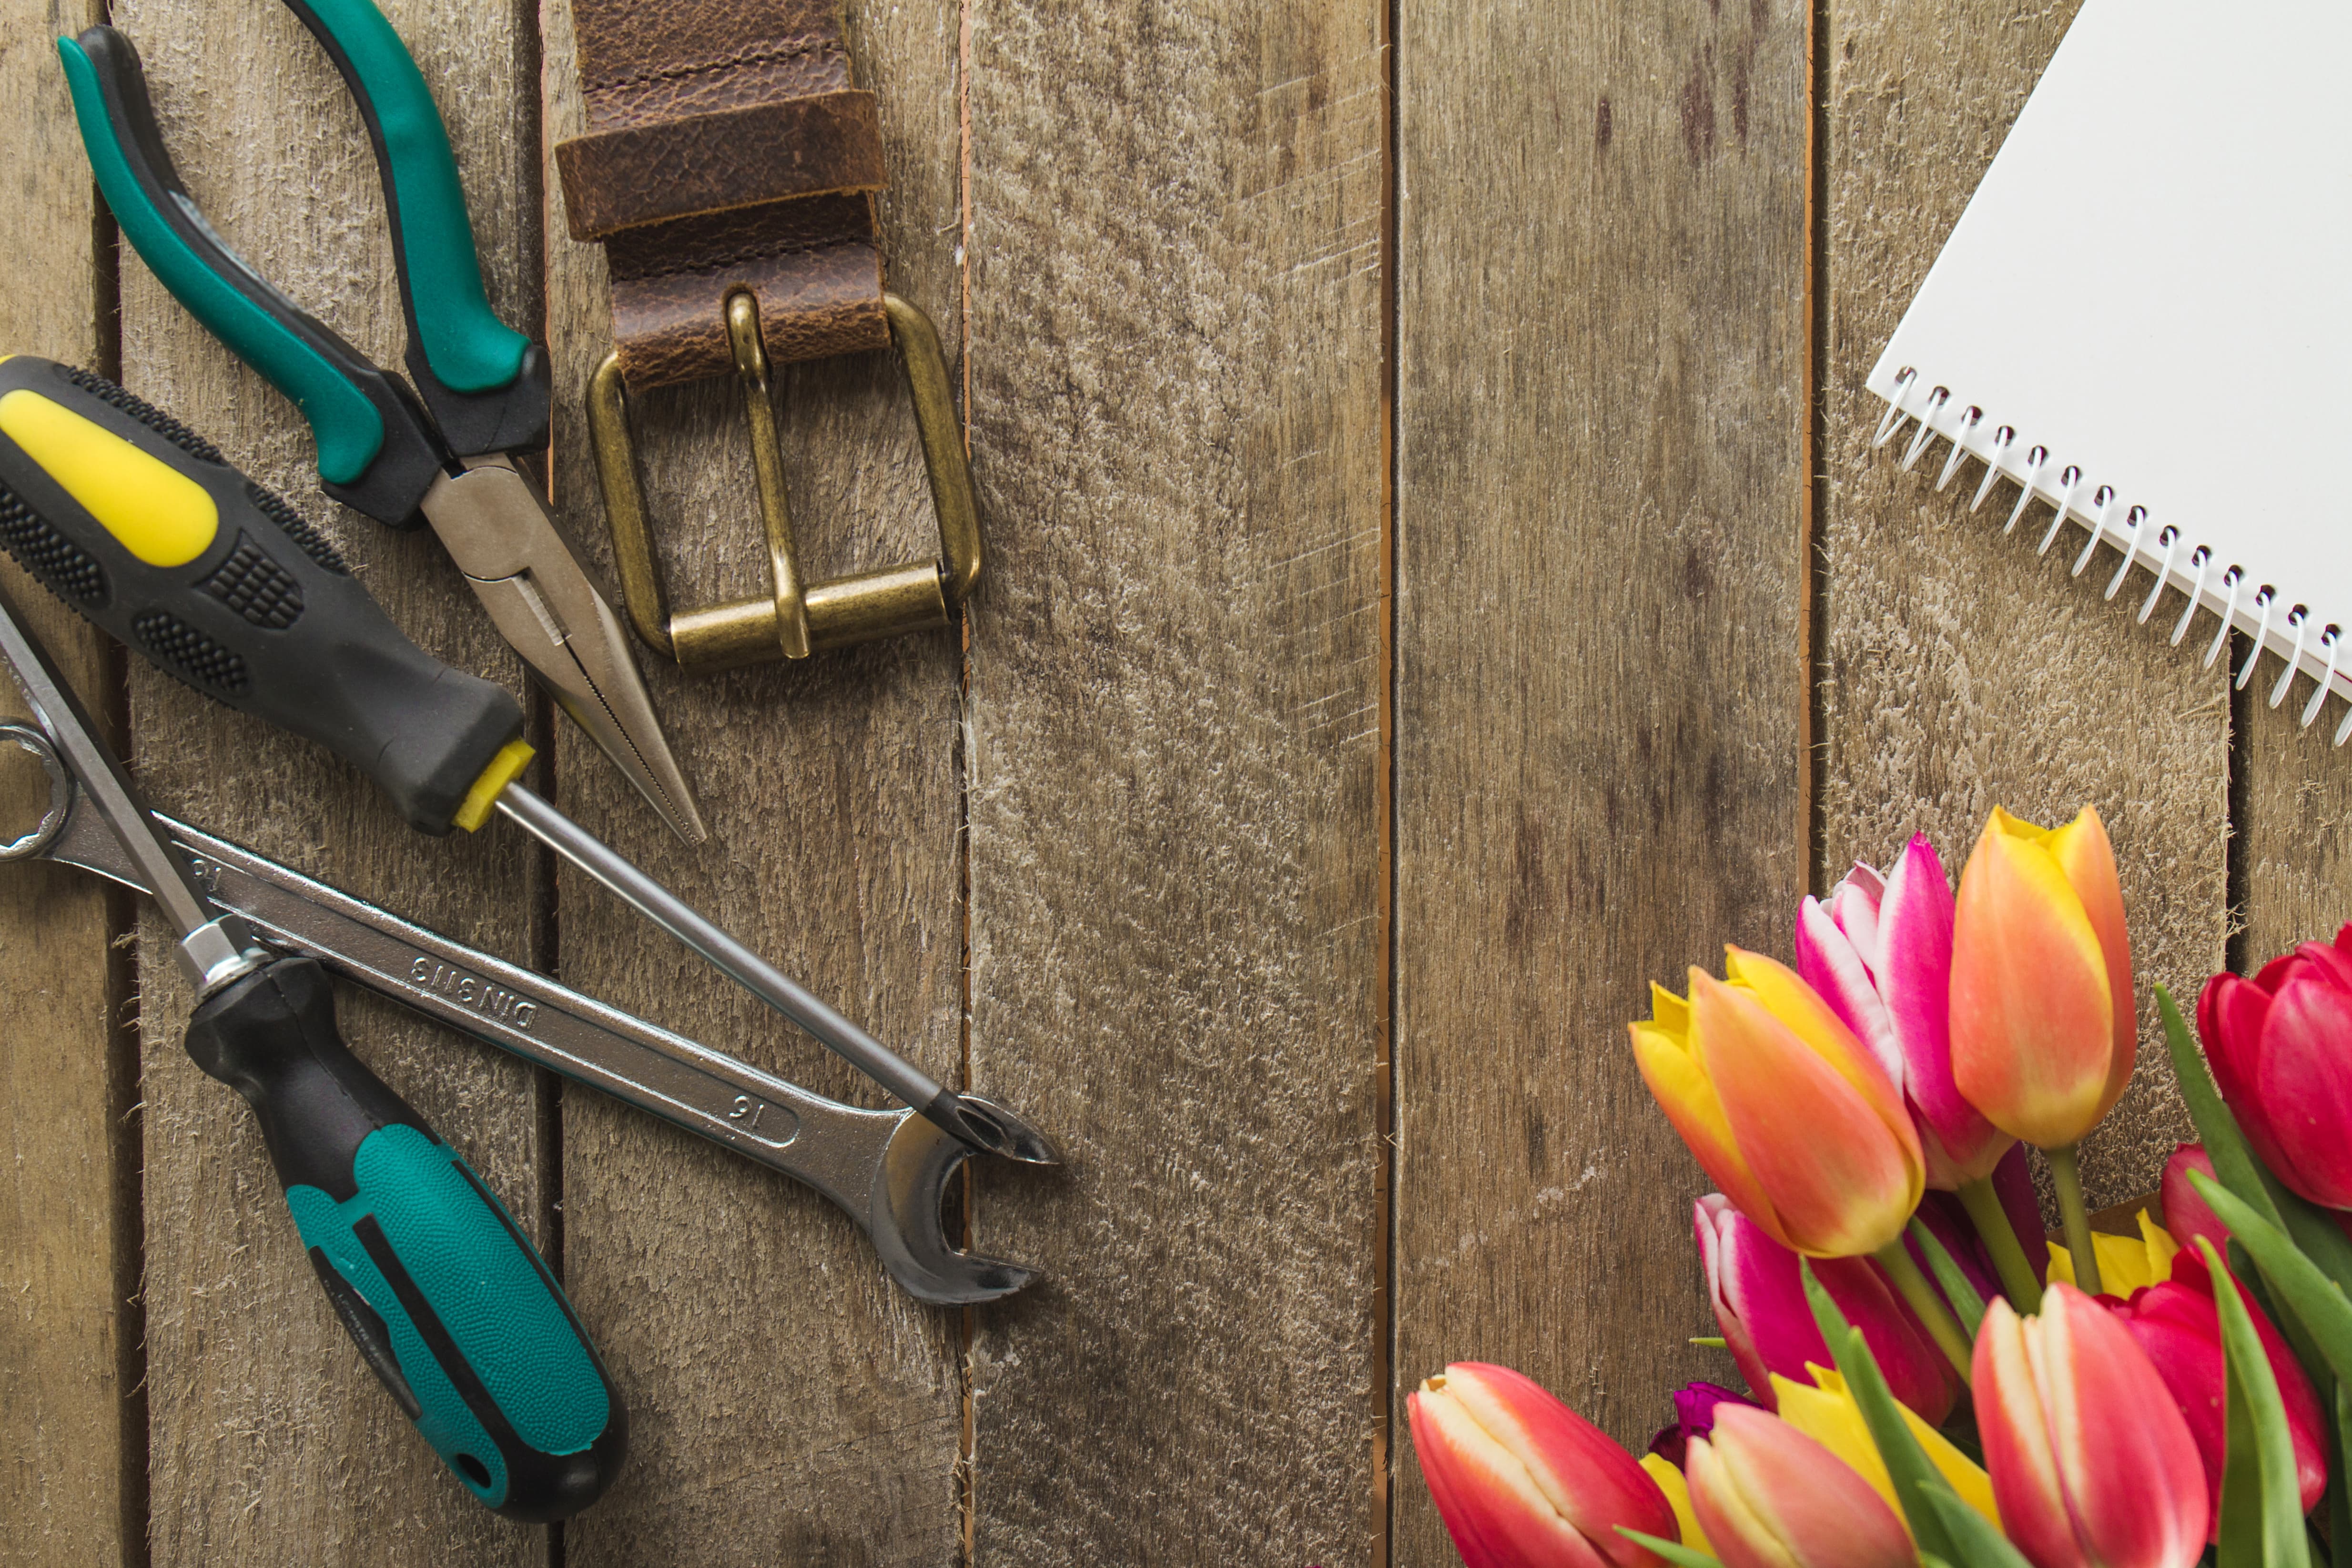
{"points": [[887, 1170]]}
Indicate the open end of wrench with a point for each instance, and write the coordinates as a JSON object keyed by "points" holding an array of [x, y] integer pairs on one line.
{"points": [[909, 1185], [987, 1126]]}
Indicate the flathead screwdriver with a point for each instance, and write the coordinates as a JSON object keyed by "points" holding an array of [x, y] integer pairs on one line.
{"points": [[145, 529]]}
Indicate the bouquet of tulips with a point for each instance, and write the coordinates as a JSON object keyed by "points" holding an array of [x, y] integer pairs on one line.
{"points": [[1928, 1380]]}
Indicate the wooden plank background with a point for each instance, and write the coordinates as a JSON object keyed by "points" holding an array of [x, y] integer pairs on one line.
{"points": [[1440, 583]]}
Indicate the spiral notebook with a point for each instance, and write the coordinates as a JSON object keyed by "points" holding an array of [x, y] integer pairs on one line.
{"points": [[2144, 319]]}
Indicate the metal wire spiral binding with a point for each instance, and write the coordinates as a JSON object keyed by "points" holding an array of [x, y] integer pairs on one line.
{"points": [[2328, 640], [2170, 539], [2295, 619], [2200, 559], [2103, 497], [2229, 581], [2132, 520], [2129, 537], [1969, 421], [2069, 481]]}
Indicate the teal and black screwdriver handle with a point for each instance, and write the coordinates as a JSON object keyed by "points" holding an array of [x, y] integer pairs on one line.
{"points": [[484, 385], [445, 1298], [139, 524]]}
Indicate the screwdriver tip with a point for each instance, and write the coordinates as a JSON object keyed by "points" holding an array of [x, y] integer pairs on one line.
{"points": [[984, 1125]]}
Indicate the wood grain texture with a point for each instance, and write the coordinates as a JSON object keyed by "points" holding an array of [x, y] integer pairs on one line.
{"points": [[271, 1443], [1599, 686], [1175, 738], [2293, 809], [789, 1403], [68, 1238], [1961, 671]]}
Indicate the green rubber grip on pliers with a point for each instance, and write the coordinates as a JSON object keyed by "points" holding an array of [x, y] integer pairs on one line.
{"points": [[485, 382]]}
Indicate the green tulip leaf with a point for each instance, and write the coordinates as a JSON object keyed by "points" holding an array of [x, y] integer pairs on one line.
{"points": [[1988, 1547], [1958, 1288], [2319, 1300], [1710, 1341], [1674, 1552], [1907, 1465], [2336, 1400], [2261, 1498]]}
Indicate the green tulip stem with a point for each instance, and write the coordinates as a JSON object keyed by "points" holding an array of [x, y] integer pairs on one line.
{"points": [[2067, 1173], [2008, 1260], [1942, 1327]]}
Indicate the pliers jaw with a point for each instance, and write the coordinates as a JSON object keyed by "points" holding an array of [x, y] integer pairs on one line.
{"points": [[544, 604]]}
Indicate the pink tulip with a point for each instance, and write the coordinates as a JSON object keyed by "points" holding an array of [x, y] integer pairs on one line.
{"points": [[2186, 1215], [1880, 953], [2179, 1328], [1767, 1496], [1760, 1302], [2281, 1049], [1523, 1482], [2093, 1465]]}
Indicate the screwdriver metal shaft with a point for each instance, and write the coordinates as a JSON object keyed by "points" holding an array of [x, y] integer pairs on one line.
{"points": [[970, 1120]]}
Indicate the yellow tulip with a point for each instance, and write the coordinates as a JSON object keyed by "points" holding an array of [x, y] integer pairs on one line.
{"points": [[2126, 1263], [1670, 1481], [1796, 1122]]}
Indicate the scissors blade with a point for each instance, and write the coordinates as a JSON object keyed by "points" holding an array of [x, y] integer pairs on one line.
{"points": [[520, 565]]}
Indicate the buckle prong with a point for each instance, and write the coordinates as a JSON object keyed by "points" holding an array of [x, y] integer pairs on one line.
{"points": [[797, 617]]}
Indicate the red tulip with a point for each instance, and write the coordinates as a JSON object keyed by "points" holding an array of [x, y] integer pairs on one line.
{"points": [[2281, 1049], [2043, 1035], [2179, 1327], [1759, 1293], [2186, 1215], [1767, 1496], [1523, 1482], [2093, 1465]]}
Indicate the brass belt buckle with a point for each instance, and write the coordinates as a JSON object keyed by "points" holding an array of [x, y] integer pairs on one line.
{"points": [[797, 619]]}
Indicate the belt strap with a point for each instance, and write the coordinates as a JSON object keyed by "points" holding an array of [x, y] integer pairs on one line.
{"points": [[728, 149]]}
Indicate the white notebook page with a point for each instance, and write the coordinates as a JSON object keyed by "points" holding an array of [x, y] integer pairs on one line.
{"points": [[2154, 282]]}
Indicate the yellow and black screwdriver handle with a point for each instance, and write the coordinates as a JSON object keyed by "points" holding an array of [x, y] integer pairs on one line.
{"points": [[141, 524]]}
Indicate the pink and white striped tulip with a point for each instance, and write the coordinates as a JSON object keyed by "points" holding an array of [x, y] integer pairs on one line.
{"points": [[1758, 1290], [1767, 1496], [1879, 951], [1523, 1482], [2092, 1464]]}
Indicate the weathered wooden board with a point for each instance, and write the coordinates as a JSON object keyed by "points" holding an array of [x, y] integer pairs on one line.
{"points": [[1601, 681], [2289, 826], [72, 1458], [1175, 737], [271, 1443], [1960, 671], [789, 1403]]}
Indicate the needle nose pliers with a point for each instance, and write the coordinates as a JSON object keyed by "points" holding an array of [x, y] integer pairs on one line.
{"points": [[392, 453]]}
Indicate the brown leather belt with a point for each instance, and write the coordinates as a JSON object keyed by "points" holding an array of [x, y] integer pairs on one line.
{"points": [[730, 167], [727, 149]]}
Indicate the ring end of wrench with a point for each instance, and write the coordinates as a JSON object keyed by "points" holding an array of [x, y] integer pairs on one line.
{"points": [[988, 1127]]}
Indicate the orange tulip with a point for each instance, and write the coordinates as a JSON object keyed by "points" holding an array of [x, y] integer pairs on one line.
{"points": [[2043, 1034], [1793, 1118]]}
